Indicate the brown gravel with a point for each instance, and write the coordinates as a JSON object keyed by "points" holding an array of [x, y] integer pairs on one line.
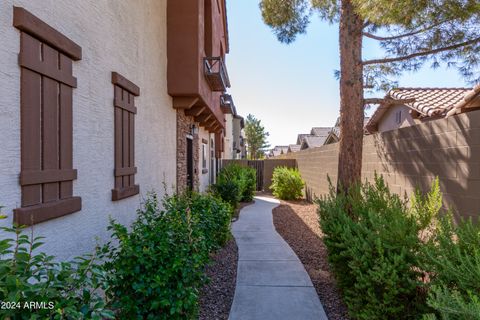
{"points": [[297, 223], [216, 296]]}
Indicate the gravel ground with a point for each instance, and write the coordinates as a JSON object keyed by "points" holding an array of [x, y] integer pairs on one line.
{"points": [[297, 223], [216, 296]]}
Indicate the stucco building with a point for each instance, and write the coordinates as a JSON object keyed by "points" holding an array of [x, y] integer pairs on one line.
{"points": [[103, 101]]}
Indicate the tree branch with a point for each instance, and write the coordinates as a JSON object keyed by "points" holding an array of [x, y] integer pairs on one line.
{"points": [[380, 38], [421, 54]]}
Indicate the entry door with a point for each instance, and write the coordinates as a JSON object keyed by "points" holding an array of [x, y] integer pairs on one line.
{"points": [[189, 163]]}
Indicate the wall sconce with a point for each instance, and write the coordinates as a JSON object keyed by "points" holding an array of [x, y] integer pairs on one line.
{"points": [[193, 130]]}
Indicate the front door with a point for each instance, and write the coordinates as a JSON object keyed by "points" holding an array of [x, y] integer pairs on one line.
{"points": [[189, 163]]}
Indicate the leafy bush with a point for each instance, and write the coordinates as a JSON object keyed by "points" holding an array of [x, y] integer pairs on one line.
{"points": [[287, 184], [157, 269], [452, 257], [67, 290], [394, 261], [228, 191], [250, 185], [452, 305], [235, 183], [373, 243]]}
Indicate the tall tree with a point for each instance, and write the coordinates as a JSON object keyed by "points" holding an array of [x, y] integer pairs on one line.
{"points": [[256, 137], [411, 33]]}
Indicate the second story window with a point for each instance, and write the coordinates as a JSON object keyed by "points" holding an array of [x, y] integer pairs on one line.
{"points": [[398, 117], [125, 110], [46, 120]]}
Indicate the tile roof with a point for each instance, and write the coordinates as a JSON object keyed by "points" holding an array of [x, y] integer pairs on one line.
{"points": [[320, 131], [294, 148], [313, 141], [301, 136], [278, 150], [470, 99], [427, 102]]}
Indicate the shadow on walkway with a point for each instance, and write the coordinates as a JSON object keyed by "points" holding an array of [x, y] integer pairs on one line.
{"points": [[305, 240], [271, 281]]}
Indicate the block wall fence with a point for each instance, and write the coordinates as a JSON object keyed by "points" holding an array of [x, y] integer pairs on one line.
{"points": [[408, 158]]}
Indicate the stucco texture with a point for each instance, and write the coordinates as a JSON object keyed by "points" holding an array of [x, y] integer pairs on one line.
{"points": [[123, 36], [204, 177]]}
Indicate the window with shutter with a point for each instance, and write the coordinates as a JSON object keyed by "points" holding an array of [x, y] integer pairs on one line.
{"points": [[46, 120], [125, 110]]}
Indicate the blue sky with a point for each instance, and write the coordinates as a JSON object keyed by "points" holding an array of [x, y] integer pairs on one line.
{"points": [[292, 88]]}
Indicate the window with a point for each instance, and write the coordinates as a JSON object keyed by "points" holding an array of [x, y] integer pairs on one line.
{"points": [[204, 155], [46, 85], [398, 117], [125, 110]]}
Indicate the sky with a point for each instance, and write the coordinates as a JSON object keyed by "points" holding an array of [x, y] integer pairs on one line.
{"points": [[292, 88]]}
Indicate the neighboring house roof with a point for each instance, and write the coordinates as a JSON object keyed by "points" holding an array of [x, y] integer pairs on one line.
{"points": [[313, 141], [300, 137], [320, 131], [333, 136], [278, 150], [470, 100], [426, 102], [294, 148]]}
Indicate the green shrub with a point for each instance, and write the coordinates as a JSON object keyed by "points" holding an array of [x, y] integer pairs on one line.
{"points": [[68, 290], [211, 214], [373, 243], [452, 257], [235, 183], [228, 191], [157, 269], [249, 175], [287, 184], [450, 304]]}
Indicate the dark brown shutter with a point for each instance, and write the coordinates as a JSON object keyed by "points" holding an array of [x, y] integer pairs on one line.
{"points": [[46, 121], [125, 110]]}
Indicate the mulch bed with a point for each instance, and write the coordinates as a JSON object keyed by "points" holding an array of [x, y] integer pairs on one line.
{"points": [[216, 296], [297, 223]]}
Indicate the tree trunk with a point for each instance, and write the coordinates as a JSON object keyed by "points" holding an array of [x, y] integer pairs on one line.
{"points": [[351, 98]]}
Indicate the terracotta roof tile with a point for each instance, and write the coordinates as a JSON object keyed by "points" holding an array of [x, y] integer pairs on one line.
{"points": [[429, 101], [426, 101]]}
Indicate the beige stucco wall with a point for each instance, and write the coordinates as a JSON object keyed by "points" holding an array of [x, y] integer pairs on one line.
{"points": [[203, 177], [124, 36], [389, 119], [412, 157], [228, 140]]}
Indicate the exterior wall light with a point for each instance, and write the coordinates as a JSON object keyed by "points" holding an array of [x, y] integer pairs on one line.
{"points": [[193, 130]]}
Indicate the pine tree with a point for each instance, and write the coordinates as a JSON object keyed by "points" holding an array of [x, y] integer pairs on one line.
{"points": [[411, 33], [256, 138]]}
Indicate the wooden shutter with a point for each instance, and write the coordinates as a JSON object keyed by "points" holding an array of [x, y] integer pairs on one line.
{"points": [[125, 110], [46, 121]]}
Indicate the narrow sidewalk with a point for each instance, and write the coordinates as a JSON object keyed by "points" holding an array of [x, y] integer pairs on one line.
{"points": [[271, 281]]}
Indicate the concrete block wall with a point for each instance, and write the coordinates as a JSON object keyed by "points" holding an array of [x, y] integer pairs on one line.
{"points": [[411, 157], [270, 165]]}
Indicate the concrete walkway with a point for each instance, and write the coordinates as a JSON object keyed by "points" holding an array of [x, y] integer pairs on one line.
{"points": [[271, 281]]}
